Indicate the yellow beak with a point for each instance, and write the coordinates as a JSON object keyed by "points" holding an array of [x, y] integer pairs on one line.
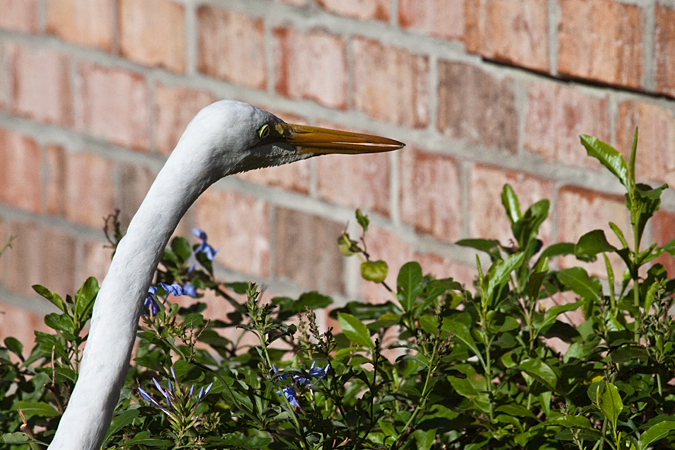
{"points": [[324, 141]]}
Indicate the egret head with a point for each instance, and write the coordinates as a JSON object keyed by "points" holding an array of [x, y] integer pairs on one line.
{"points": [[238, 137]]}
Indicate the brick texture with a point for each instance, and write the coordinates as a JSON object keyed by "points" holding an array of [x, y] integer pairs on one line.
{"points": [[113, 105], [40, 256], [487, 216], [441, 267], [175, 106], [656, 140], [439, 18], [307, 251], [97, 259], [134, 182], [231, 47], [88, 23], [20, 183], [663, 231], [239, 226], [476, 106], [19, 15], [600, 40], [357, 181], [312, 66], [39, 84], [358, 9], [664, 49], [510, 31], [430, 194], [390, 83], [21, 324], [556, 116], [160, 25], [293, 177]]}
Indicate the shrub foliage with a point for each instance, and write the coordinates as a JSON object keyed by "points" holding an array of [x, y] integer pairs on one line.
{"points": [[437, 366]]}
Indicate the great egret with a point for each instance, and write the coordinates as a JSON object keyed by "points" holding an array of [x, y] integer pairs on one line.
{"points": [[225, 137]]}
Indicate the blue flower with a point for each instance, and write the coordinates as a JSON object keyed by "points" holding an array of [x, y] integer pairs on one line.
{"points": [[190, 290], [178, 399], [318, 372], [205, 248], [150, 302], [290, 394]]}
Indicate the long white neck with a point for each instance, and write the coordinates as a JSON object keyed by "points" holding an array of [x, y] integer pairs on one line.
{"points": [[120, 301]]}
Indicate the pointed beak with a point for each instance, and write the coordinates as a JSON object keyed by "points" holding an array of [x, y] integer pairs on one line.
{"points": [[322, 141]]}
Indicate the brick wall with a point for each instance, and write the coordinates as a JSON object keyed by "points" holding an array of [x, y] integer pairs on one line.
{"points": [[95, 93]]}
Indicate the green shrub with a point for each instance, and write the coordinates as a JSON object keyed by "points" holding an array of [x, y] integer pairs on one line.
{"points": [[438, 366]]}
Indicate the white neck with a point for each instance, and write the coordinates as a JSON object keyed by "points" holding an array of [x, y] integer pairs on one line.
{"points": [[120, 302]]}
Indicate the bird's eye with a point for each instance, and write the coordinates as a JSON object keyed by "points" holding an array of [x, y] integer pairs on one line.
{"points": [[264, 131]]}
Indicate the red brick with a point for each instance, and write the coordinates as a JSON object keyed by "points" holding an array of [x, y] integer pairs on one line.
{"points": [[476, 106], [442, 267], [20, 323], [160, 26], [134, 182], [293, 2], [510, 31], [239, 226], [580, 211], [358, 9], [113, 105], [664, 49], [89, 191], [389, 247], [39, 84], [19, 172], [431, 194], [557, 115], [390, 83], [83, 22], [40, 256], [96, 262], [600, 40], [306, 251], [440, 18], [56, 176], [356, 181], [663, 231], [656, 140], [311, 66], [231, 47], [488, 218], [19, 15], [175, 106]]}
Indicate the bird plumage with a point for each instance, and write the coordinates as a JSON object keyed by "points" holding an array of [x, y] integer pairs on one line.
{"points": [[225, 137]]}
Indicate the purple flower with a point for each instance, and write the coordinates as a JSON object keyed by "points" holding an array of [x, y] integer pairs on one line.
{"points": [[318, 372], [205, 248], [190, 290], [179, 399], [150, 302], [290, 394], [281, 377]]}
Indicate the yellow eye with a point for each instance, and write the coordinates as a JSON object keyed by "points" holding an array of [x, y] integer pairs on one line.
{"points": [[264, 131]]}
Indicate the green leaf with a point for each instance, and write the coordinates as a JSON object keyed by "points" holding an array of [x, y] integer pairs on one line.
{"points": [[355, 330], [511, 204], [670, 247], [654, 433], [553, 312], [461, 332], [489, 246], [15, 346], [40, 409], [540, 371], [120, 421], [536, 278], [499, 273], [577, 279], [84, 299], [55, 299], [607, 156], [527, 227], [181, 247], [571, 422], [363, 220], [375, 271], [559, 249], [609, 401], [409, 284], [15, 438], [592, 243], [424, 438]]}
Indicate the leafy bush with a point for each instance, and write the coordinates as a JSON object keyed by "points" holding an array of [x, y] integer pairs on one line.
{"points": [[438, 366]]}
